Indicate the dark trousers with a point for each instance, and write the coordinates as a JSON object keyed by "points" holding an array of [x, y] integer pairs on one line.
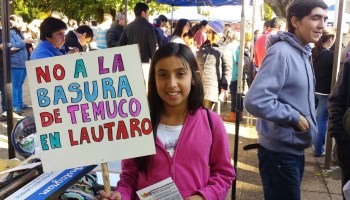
{"points": [[343, 151], [281, 174]]}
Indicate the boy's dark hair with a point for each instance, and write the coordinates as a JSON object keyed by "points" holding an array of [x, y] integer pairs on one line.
{"points": [[139, 7], [267, 23], [156, 105], [180, 26], [277, 22], [163, 18], [51, 25], [300, 9], [85, 29]]}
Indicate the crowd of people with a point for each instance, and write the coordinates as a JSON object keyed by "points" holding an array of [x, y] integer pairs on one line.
{"points": [[194, 67]]}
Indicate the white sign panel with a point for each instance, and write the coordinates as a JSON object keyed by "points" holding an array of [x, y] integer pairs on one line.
{"points": [[90, 108]]}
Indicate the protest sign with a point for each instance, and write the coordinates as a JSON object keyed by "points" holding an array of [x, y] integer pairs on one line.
{"points": [[90, 108]]}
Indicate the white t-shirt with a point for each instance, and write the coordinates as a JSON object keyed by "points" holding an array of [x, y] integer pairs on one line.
{"points": [[177, 39], [169, 135]]}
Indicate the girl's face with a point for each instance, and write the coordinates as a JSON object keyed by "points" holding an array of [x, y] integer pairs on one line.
{"points": [[173, 81], [186, 28]]}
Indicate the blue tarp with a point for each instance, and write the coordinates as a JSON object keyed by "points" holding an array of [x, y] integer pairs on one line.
{"points": [[202, 2]]}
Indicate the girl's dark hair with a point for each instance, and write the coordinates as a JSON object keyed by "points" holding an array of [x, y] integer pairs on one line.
{"points": [[51, 25], [300, 9], [156, 105], [203, 23], [85, 29], [180, 27], [326, 34]]}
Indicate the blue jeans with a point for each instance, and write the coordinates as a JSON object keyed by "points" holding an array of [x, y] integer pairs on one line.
{"points": [[322, 122], [2, 90], [281, 174], [18, 77]]}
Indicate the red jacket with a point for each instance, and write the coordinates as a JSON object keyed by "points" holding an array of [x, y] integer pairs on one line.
{"points": [[201, 162], [259, 46]]}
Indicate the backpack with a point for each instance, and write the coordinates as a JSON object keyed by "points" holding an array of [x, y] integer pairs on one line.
{"points": [[248, 66]]}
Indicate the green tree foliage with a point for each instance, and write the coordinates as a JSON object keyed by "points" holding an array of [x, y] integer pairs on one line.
{"points": [[79, 9], [279, 6], [268, 12]]}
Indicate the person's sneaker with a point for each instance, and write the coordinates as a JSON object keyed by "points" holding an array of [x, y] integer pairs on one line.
{"points": [[25, 106], [3, 117], [17, 110], [320, 155]]}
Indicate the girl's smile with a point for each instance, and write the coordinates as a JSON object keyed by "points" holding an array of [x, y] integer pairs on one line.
{"points": [[173, 81]]}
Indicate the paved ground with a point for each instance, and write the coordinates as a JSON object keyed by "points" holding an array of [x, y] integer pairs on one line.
{"points": [[317, 183]]}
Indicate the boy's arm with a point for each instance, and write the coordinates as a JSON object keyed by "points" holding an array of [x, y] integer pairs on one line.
{"points": [[262, 98]]}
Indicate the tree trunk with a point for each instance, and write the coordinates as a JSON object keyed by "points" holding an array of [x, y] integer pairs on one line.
{"points": [[279, 7]]}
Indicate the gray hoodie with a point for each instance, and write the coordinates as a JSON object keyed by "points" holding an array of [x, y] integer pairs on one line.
{"points": [[282, 90]]}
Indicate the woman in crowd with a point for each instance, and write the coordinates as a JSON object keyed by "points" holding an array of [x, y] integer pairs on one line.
{"points": [[323, 65], [182, 27], [215, 61], [52, 38], [232, 40], [200, 35], [19, 55]]}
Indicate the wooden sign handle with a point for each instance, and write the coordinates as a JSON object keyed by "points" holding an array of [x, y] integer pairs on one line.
{"points": [[105, 175]]}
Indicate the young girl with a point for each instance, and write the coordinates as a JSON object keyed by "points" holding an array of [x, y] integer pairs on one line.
{"points": [[191, 142]]}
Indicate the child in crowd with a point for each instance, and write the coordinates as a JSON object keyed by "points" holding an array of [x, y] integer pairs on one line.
{"points": [[191, 142]]}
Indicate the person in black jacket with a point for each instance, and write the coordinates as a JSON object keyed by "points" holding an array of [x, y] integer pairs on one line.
{"points": [[78, 38], [338, 103], [115, 32], [141, 32]]}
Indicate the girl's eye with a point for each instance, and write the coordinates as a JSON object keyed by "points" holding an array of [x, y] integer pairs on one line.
{"points": [[162, 74], [181, 73]]}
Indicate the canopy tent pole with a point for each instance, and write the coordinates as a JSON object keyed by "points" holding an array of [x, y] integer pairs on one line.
{"points": [[336, 62], [253, 28], [239, 99], [172, 19], [7, 73], [126, 11]]}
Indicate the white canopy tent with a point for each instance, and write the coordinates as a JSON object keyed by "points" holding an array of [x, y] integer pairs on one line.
{"points": [[189, 13], [220, 13]]}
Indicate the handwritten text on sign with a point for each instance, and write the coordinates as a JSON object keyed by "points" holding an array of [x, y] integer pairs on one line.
{"points": [[90, 108]]}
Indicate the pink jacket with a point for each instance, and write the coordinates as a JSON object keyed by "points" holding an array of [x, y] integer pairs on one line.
{"points": [[201, 162]]}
